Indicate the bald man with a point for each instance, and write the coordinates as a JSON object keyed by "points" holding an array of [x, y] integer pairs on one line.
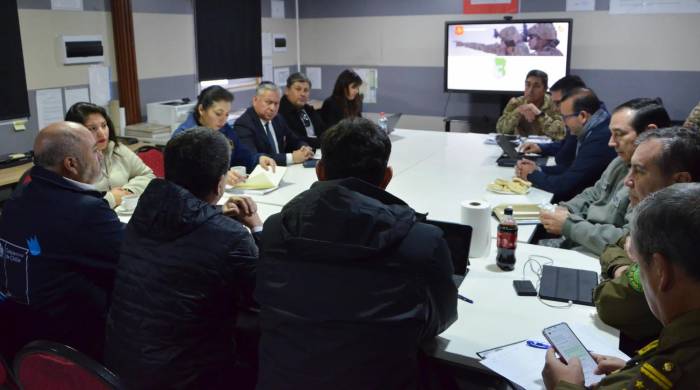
{"points": [[59, 245]]}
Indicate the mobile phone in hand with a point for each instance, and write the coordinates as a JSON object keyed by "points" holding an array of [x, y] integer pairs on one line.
{"points": [[568, 346]]}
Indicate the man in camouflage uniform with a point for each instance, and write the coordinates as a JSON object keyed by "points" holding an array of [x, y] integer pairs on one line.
{"points": [[511, 44], [532, 113], [663, 157], [664, 232], [542, 38], [693, 120]]}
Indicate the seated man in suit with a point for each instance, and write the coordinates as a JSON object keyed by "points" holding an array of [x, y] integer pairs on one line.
{"points": [[588, 120], [263, 131], [184, 266], [349, 283], [301, 118], [665, 230], [59, 246]]}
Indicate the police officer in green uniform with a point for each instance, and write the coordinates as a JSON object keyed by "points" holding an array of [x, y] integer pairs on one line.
{"points": [[664, 233], [662, 157]]}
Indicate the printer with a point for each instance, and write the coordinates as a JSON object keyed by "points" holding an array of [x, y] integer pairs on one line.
{"points": [[170, 113]]}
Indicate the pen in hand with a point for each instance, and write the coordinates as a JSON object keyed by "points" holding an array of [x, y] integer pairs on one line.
{"points": [[465, 299]]}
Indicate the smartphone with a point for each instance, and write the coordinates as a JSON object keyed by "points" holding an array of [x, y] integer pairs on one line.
{"points": [[568, 346], [310, 163]]}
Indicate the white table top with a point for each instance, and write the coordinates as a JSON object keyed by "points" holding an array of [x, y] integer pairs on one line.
{"points": [[433, 172], [498, 316]]}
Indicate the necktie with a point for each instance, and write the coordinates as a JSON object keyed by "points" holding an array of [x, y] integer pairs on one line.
{"points": [[270, 138]]}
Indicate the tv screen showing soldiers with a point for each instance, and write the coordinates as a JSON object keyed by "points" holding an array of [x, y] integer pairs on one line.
{"points": [[517, 39]]}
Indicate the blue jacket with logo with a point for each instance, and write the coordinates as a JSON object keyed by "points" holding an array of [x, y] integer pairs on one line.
{"points": [[59, 246]]}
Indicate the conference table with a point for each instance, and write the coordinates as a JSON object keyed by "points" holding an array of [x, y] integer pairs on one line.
{"points": [[435, 172]]}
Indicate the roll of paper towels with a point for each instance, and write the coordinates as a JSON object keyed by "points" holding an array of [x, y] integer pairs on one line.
{"points": [[477, 214]]}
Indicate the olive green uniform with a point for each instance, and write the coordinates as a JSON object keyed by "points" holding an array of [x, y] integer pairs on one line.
{"points": [[620, 301], [548, 123], [671, 362], [693, 120]]}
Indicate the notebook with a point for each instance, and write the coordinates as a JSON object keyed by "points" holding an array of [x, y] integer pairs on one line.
{"points": [[568, 284], [511, 156]]}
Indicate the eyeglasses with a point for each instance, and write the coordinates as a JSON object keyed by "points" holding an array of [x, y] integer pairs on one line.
{"points": [[565, 117]]}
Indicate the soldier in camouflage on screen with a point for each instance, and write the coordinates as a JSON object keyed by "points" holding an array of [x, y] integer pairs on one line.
{"points": [[542, 38], [693, 120], [511, 43]]}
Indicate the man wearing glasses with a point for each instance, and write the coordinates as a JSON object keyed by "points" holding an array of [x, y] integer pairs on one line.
{"points": [[587, 119], [301, 117]]}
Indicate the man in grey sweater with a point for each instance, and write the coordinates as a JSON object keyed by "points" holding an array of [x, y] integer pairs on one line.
{"points": [[598, 216]]}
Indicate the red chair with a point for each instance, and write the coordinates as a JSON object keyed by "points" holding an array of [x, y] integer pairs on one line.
{"points": [[153, 157], [7, 382], [48, 365]]}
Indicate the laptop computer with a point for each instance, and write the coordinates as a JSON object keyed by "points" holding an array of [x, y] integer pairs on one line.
{"points": [[458, 239], [391, 122], [568, 284], [511, 156]]}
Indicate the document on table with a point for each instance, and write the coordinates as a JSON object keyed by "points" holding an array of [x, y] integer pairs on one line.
{"points": [[523, 365], [261, 181]]}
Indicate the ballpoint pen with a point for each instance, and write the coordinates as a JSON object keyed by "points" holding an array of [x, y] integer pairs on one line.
{"points": [[465, 299], [537, 344]]}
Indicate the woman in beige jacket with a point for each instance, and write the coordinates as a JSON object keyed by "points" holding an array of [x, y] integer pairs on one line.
{"points": [[123, 172]]}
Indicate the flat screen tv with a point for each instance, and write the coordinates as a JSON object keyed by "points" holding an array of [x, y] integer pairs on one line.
{"points": [[494, 56]]}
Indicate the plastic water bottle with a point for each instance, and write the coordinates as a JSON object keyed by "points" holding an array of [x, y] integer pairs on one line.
{"points": [[383, 123]]}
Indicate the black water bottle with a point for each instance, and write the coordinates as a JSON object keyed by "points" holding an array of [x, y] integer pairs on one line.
{"points": [[505, 241]]}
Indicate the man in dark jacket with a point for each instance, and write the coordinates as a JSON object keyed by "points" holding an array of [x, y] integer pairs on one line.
{"points": [[263, 131], [59, 245], [349, 283], [587, 119], [301, 117], [184, 264]]}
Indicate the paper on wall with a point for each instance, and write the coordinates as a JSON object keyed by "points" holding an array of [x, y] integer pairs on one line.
{"points": [[370, 83], [281, 75], [314, 75], [266, 44], [267, 74], [277, 9], [67, 5], [654, 6], [49, 106], [76, 95], [98, 76]]}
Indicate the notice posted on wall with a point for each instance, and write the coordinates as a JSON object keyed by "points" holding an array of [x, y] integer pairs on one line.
{"points": [[49, 106], [654, 6], [370, 83]]}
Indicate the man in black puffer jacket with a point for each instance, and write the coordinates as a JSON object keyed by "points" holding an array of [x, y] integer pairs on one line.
{"points": [[183, 265], [349, 283]]}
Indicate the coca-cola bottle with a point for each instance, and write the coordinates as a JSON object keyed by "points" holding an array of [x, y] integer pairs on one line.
{"points": [[505, 241]]}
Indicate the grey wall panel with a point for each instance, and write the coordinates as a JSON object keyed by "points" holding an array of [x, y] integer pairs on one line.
{"points": [[162, 7], [602, 5], [679, 90], [88, 5], [416, 91], [344, 8], [542, 5]]}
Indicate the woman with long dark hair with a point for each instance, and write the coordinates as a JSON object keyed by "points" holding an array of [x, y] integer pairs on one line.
{"points": [[211, 111], [346, 100], [123, 172]]}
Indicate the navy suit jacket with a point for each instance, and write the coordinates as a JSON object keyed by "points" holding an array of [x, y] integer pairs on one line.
{"points": [[568, 180], [253, 136]]}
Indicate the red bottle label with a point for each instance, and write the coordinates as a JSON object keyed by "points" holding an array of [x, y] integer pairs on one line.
{"points": [[506, 239]]}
